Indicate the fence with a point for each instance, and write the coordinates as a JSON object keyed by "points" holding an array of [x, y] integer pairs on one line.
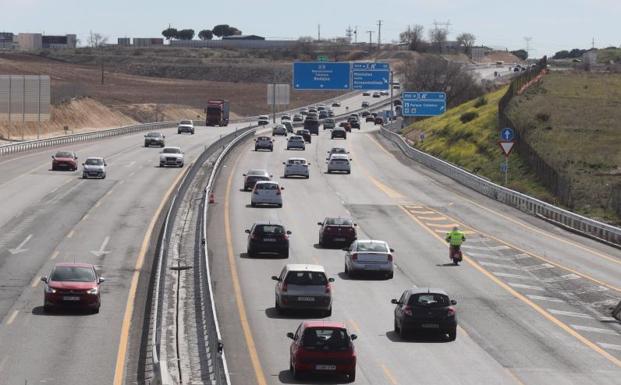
{"points": [[522, 202]]}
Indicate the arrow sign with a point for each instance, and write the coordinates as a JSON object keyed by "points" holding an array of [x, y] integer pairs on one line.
{"points": [[102, 250], [507, 134], [20, 248], [506, 147]]}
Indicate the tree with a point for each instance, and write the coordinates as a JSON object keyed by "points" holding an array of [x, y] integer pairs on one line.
{"points": [[96, 39], [232, 31], [220, 30], [205, 34], [437, 38], [170, 33], [466, 40], [413, 37], [520, 53], [434, 73], [185, 34]]}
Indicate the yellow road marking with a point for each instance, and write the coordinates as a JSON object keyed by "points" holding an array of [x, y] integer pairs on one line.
{"points": [[441, 224], [239, 300], [35, 281], [379, 145], [354, 325], [514, 376], [53, 257], [440, 218], [12, 317], [133, 286], [389, 375], [98, 203], [387, 190], [422, 212], [85, 217], [70, 235], [527, 301]]}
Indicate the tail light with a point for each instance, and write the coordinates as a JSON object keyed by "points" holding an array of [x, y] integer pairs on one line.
{"points": [[451, 311], [407, 310], [254, 237], [389, 257], [328, 288], [284, 287], [284, 237], [277, 192], [354, 257]]}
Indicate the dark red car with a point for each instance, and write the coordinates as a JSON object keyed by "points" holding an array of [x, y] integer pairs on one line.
{"points": [[336, 230], [322, 347], [379, 120], [346, 126], [65, 160], [72, 285]]}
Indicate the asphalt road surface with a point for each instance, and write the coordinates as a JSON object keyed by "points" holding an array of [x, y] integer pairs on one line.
{"points": [[532, 299]]}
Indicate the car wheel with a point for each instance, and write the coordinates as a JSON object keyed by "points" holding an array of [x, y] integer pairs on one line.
{"points": [[347, 272], [452, 335], [395, 327], [348, 172], [351, 377], [285, 254], [402, 333], [307, 176], [277, 306], [296, 373], [390, 275], [181, 165], [328, 312], [279, 205], [84, 176], [250, 253], [47, 309], [178, 132], [103, 177], [252, 204]]}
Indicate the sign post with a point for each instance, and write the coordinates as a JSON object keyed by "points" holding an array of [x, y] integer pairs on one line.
{"points": [[277, 95], [506, 144]]}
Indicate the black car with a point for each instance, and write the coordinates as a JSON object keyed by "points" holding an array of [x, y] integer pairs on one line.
{"points": [[424, 309], [337, 230], [268, 238], [323, 114], [397, 102], [154, 139], [289, 127], [370, 118], [312, 124], [253, 176], [354, 122], [305, 134], [336, 104], [263, 143], [365, 113], [338, 132]]}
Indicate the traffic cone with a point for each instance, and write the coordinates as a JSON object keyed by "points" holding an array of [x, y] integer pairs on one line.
{"points": [[212, 198]]}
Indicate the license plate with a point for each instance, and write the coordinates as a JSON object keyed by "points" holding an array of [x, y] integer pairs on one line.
{"points": [[430, 326], [339, 239], [70, 298], [369, 267], [306, 299], [325, 367], [269, 240]]}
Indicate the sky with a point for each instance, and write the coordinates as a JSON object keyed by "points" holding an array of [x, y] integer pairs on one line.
{"points": [[552, 25]]}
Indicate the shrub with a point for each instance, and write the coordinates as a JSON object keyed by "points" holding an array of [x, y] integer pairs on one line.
{"points": [[542, 116], [468, 116], [481, 101]]}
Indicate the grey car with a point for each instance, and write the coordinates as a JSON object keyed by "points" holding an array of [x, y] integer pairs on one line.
{"points": [[94, 167], [296, 142], [279, 129], [329, 124], [303, 286], [370, 256], [154, 139]]}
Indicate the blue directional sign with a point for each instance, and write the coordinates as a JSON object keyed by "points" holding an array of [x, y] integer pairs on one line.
{"points": [[507, 134], [370, 76], [321, 76], [423, 103]]}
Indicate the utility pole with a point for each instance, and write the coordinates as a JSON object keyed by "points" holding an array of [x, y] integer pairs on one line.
{"points": [[528, 39], [318, 32], [593, 43], [356, 35], [370, 38], [348, 33], [379, 34]]}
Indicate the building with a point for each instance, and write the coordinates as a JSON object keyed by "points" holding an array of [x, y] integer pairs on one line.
{"points": [[148, 41], [36, 41], [7, 40], [124, 41]]}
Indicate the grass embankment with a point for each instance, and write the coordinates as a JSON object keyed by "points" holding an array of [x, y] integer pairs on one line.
{"points": [[474, 145], [573, 121]]}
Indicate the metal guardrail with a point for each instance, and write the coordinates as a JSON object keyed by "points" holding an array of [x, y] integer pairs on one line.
{"points": [[160, 370], [522, 202]]}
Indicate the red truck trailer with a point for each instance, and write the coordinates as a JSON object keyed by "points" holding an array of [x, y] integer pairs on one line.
{"points": [[217, 113]]}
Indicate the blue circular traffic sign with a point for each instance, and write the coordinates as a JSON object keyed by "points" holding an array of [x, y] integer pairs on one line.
{"points": [[507, 134]]}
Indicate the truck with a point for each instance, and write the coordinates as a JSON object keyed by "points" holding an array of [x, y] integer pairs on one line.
{"points": [[217, 113]]}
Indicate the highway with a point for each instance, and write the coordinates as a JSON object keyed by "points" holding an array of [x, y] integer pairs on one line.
{"points": [[532, 299]]}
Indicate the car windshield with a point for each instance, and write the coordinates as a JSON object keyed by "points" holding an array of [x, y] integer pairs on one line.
{"points": [[256, 178], [379, 247], [325, 339], [64, 154], [172, 151], [306, 278], [262, 138], [267, 186], [256, 172], [263, 118], [296, 139], [94, 162], [338, 150], [296, 161], [329, 120], [73, 274], [269, 229], [339, 221], [429, 300], [154, 134]]}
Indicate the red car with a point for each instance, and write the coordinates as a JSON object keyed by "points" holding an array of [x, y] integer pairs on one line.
{"points": [[72, 285], [379, 120], [336, 230], [322, 347], [346, 126], [64, 160]]}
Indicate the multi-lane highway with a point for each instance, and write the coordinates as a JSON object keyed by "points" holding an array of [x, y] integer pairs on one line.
{"points": [[532, 299]]}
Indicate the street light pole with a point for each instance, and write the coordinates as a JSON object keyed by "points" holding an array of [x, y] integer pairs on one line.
{"points": [[392, 104]]}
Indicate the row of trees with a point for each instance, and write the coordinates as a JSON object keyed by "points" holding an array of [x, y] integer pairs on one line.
{"points": [[414, 38], [219, 30]]}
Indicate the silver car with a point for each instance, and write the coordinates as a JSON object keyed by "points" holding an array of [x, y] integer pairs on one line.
{"points": [[279, 129], [339, 163], [296, 167], [297, 142], [303, 286], [94, 167], [368, 255], [266, 193]]}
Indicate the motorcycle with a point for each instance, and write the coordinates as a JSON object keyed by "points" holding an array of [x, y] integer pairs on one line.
{"points": [[455, 254]]}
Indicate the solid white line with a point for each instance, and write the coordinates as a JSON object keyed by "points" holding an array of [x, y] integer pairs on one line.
{"points": [[35, 281], [507, 275], [544, 298], [538, 267], [12, 317], [595, 330], [609, 346], [491, 264], [3, 362], [565, 277], [569, 313], [130, 164], [522, 286]]}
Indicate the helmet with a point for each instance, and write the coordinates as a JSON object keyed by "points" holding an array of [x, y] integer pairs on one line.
{"points": [[455, 228]]}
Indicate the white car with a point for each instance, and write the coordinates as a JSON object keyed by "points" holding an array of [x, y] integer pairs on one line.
{"points": [[340, 163], [266, 193], [296, 167], [263, 120], [285, 118], [94, 167], [171, 156], [369, 255], [185, 126]]}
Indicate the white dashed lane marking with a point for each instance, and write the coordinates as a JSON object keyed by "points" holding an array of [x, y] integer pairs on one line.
{"points": [[544, 298], [569, 313], [522, 286], [595, 330]]}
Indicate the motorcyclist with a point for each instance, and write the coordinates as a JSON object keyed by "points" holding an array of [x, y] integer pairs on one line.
{"points": [[455, 238]]}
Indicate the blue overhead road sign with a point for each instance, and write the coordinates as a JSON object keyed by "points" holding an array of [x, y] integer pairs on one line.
{"points": [[321, 76], [423, 103], [507, 134], [370, 76]]}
